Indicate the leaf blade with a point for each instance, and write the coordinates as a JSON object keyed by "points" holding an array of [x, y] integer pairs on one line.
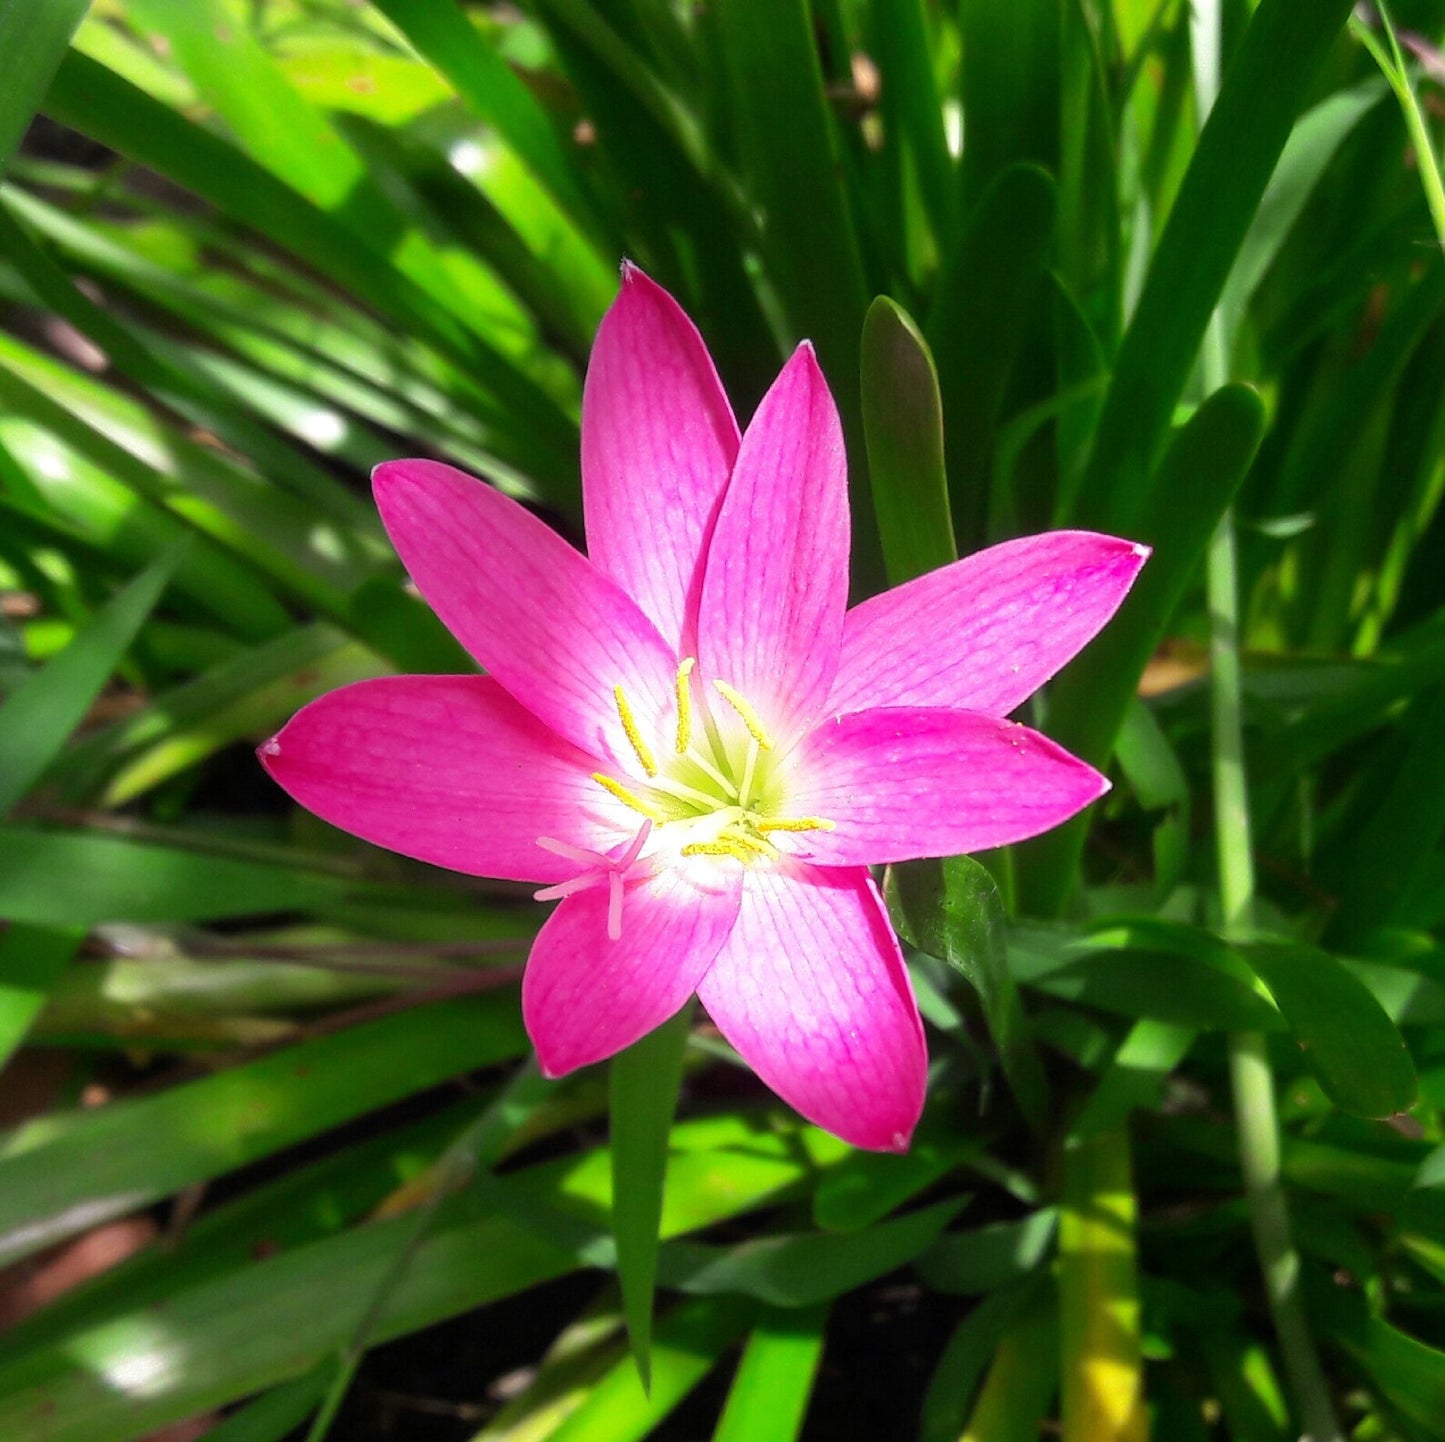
{"points": [[38, 718], [645, 1079]]}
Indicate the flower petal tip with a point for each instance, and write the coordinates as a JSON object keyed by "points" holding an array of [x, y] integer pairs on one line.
{"points": [[552, 1065], [807, 357], [382, 474]]}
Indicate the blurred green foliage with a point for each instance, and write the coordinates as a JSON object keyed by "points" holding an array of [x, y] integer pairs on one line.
{"points": [[252, 247]]}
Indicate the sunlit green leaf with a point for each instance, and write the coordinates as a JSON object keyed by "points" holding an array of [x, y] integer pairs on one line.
{"points": [[645, 1081], [952, 910], [1345, 1036]]}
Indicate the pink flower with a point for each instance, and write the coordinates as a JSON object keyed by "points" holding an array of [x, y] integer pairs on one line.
{"points": [[684, 739]]}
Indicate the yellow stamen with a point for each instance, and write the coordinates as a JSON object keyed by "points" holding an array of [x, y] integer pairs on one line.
{"points": [[683, 792], [715, 848], [627, 798], [766, 824], [750, 766], [743, 707], [629, 725], [684, 705], [754, 844]]}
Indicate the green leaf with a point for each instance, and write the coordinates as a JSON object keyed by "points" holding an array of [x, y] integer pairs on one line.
{"points": [[498, 96], [99, 103], [1010, 89], [770, 56], [1136, 1076], [79, 878], [903, 425], [38, 718], [866, 1186], [977, 327], [1400, 832], [1023, 1372], [1203, 468], [978, 1260], [967, 1352], [32, 959], [477, 1146], [87, 489], [769, 1395], [810, 248], [1312, 144], [405, 630], [276, 1414], [245, 696], [913, 125], [1150, 763], [211, 1342], [1266, 84], [1408, 1372], [687, 226], [1432, 1170], [952, 910], [67, 1172], [33, 38], [805, 1269], [689, 1343], [1093, 176], [1151, 969], [1351, 1045], [644, 1086]]}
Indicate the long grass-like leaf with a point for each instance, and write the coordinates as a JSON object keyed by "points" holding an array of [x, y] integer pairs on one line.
{"points": [[33, 37], [37, 719]]}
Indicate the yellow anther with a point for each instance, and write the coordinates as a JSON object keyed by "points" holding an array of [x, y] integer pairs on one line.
{"points": [[629, 725], [684, 705], [757, 845], [627, 798], [716, 848], [744, 708], [766, 824]]}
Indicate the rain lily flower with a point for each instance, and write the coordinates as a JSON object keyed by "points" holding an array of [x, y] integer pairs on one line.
{"points": [[688, 741]]}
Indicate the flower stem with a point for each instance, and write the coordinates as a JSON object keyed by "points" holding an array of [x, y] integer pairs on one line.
{"points": [[1251, 1079]]}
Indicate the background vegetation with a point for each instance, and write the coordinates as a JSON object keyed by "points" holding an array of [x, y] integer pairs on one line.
{"points": [[1183, 1167]]}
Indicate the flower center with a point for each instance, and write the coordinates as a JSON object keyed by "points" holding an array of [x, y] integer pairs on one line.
{"points": [[718, 787]]}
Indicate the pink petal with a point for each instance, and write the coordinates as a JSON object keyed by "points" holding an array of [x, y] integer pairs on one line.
{"points": [[585, 997], [777, 570], [986, 632], [448, 769], [904, 782], [658, 445], [556, 632], [811, 990]]}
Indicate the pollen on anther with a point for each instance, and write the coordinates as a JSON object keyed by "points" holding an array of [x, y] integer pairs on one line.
{"points": [[744, 708], [715, 848], [684, 705], [792, 823], [626, 797], [640, 747]]}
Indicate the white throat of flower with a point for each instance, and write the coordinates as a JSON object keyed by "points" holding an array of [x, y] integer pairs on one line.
{"points": [[715, 790]]}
